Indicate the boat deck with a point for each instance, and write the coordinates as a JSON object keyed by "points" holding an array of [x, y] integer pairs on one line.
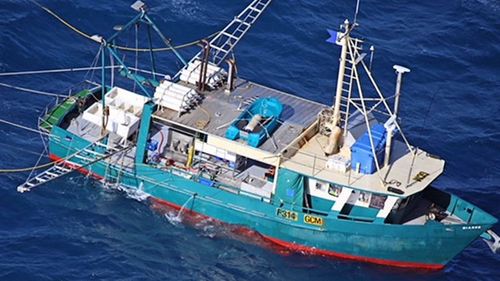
{"points": [[402, 174], [219, 109]]}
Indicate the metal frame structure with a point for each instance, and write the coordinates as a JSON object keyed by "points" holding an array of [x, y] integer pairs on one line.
{"points": [[225, 41], [350, 58]]}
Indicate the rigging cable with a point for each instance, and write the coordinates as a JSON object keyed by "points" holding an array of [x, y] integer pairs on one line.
{"points": [[123, 48], [36, 167], [64, 70], [23, 127], [33, 91], [83, 34]]}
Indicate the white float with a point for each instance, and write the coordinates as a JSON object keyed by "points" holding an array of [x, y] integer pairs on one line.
{"points": [[175, 96]]}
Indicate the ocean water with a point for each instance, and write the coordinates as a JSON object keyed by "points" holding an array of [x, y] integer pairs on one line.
{"points": [[74, 229]]}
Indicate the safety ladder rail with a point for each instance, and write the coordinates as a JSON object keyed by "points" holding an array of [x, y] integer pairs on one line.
{"points": [[86, 156], [225, 41], [348, 79]]}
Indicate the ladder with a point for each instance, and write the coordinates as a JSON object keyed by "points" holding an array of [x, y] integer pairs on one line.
{"points": [[222, 44], [225, 41], [87, 156], [349, 78]]}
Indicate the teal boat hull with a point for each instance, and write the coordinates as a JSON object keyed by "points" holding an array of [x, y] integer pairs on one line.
{"points": [[428, 246]]}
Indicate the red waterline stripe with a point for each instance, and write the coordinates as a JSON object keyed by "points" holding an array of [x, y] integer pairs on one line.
{"points": [[291, 246], [313, 251], [319, 252], [84, 171]]}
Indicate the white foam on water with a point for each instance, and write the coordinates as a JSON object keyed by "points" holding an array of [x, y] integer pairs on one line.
{"points": [[210, 228], [177, 218], [173, 218], [137, 194], [186, 8]]}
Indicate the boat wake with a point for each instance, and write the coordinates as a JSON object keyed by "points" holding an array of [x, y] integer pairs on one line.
{"points": [[137, 194], [176, 217], [213, 229], [173, 218]]}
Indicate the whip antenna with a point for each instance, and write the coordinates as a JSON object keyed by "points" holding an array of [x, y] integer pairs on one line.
{"points": [[356, 13]]}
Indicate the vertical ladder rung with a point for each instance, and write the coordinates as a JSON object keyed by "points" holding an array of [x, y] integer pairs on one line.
{"points": [[61, 168], [239, 30], [242, 22], [229, 35], [220, 49], [217, 57], [40, 179], [52, 174], [255, 9], [78, 156]]}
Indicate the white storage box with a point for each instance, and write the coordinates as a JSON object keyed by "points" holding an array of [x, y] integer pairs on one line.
{"points": [[125, 109], [338, 163]]}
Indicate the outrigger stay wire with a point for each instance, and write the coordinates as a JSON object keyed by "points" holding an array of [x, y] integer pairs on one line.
{"points": [[123, 48]]}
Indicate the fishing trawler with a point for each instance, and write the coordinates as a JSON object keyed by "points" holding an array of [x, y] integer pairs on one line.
{"points": [[337, 180]]}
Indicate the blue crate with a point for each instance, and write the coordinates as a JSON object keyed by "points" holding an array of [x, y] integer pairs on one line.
{"points": [[206, 182], [361, 151], [152, 145]]}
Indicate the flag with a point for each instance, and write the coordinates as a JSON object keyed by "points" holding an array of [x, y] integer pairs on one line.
{"points": [[334, 37]]}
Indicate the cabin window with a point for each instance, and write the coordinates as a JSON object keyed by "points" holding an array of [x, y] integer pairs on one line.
{"points": [[320, 185], [377, 201], [364, 197], [334, 190], [202, 137]]}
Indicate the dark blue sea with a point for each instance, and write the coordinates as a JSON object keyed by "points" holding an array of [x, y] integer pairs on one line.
{"points": [[74, 229]]}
